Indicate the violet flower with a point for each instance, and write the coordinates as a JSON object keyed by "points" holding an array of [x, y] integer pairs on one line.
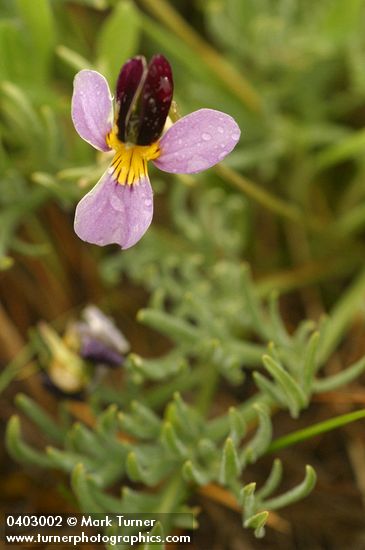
{"points": [[100, 341], [119, 208], [79, 358]]}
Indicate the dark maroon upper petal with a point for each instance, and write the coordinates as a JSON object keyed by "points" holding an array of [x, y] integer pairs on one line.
{"points": [[155, 100], [128, 85]]}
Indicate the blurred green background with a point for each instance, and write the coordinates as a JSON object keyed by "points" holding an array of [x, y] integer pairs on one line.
{"points": [[289, 202]]}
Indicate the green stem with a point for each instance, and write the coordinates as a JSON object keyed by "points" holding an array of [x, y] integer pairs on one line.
{"points": [[210, 378], [316, 429], [309, 273], [172, 495], [266, 199], [40, 418], [14, 367], [351, 146], [219, 65], [351, 222], [162, 393], [342, 315], [218, 428]]}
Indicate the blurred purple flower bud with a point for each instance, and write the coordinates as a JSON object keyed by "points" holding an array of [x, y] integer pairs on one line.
{"points": [[98, 352], [100, 340]]}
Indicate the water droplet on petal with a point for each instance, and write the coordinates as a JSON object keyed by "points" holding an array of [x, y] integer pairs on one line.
{"points": [[220, 129], [196, 164], [165, 84], [235, 136], [206, 137], [148, 202]]}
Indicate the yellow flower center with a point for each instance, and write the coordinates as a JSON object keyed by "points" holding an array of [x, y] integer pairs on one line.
{"points": [[129, 164]]}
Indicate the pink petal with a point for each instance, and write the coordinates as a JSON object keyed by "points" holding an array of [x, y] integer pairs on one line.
{"points": [[197, 142], [92, 108], [114, 213]]}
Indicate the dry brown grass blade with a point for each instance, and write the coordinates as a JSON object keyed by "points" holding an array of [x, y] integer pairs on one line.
{"points": [[343, 397], [11, 344], [11, 341]]}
